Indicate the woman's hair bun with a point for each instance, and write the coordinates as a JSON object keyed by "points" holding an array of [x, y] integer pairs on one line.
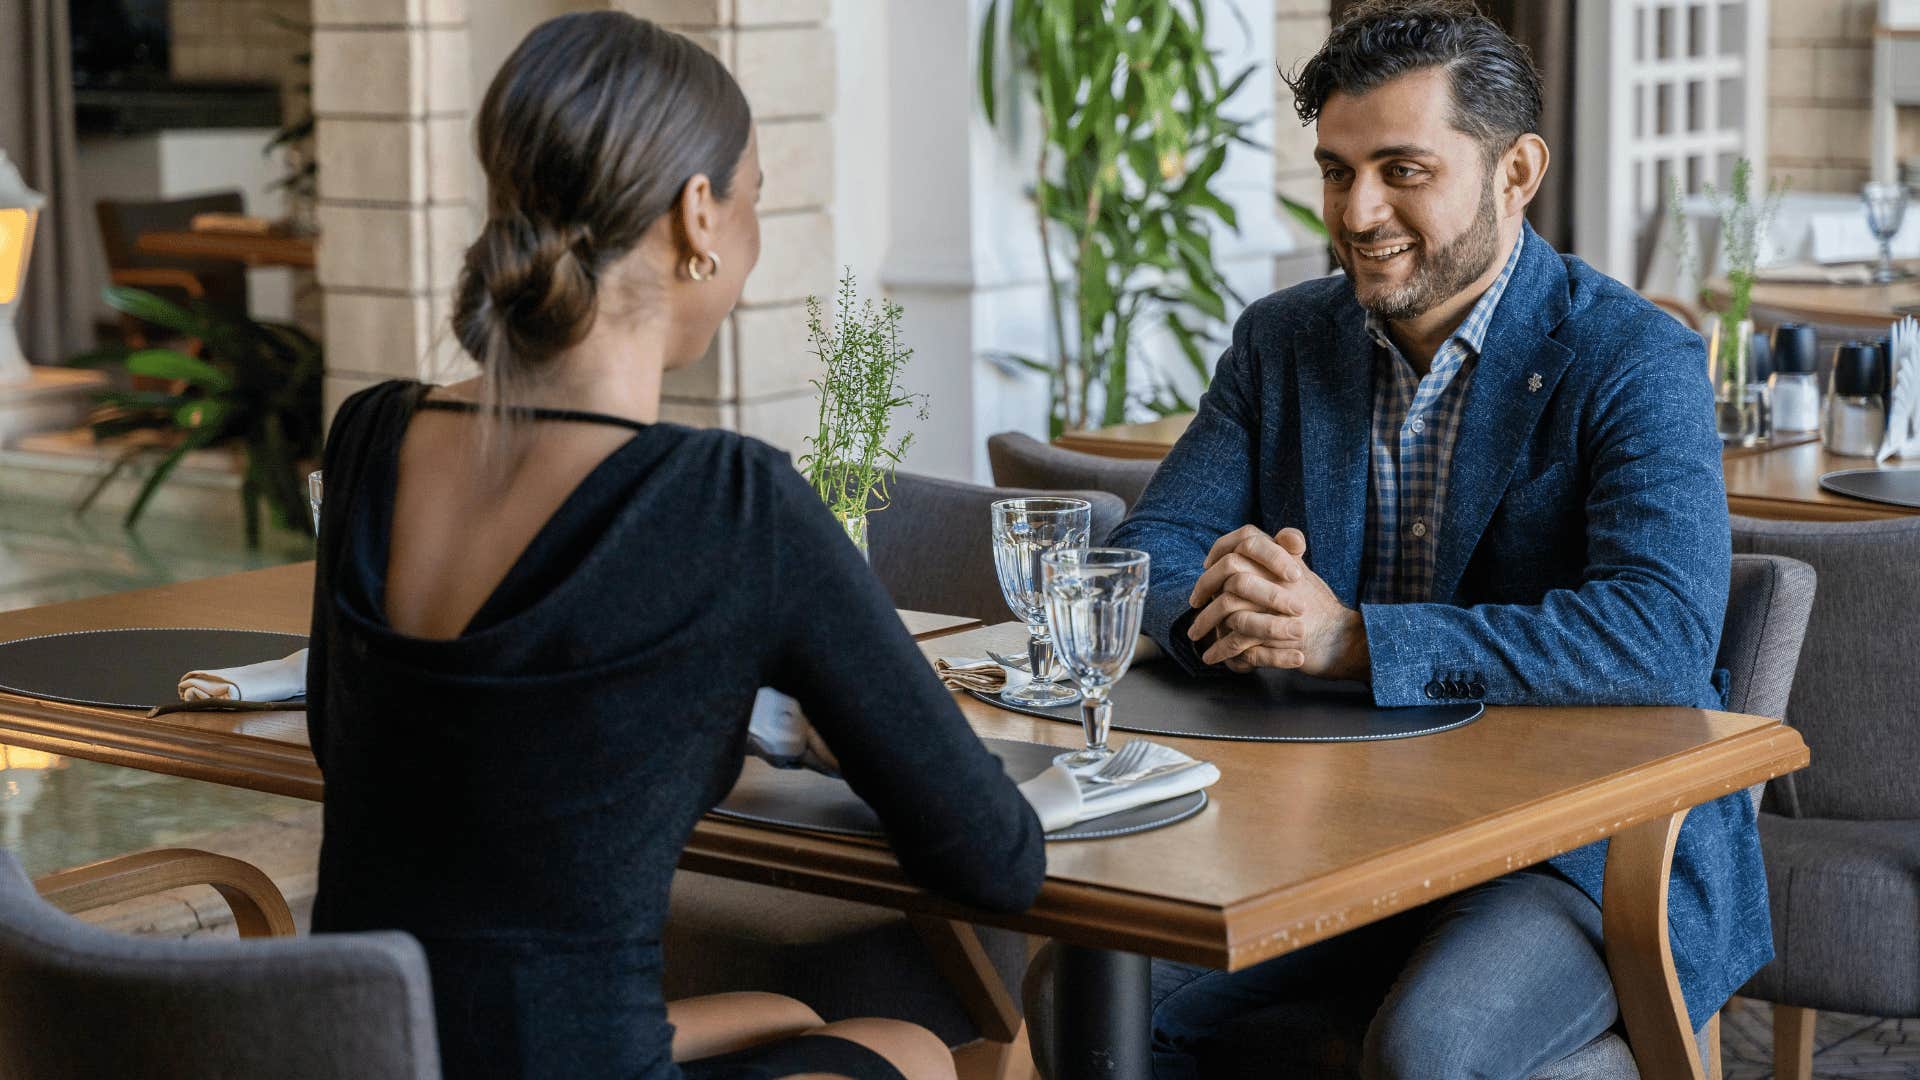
{"points": [[532, 287]]}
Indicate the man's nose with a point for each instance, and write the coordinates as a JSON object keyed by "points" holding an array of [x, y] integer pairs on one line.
{"points": [[1367, 206]]}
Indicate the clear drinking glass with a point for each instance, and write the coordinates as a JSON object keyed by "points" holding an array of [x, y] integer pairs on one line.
{"points": [[313, 498], [1094, 600], [1023, 531], [1886, 206]]}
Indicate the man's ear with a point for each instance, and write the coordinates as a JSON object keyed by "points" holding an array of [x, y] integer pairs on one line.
{"points": [[696, 217], [1522, 168]]}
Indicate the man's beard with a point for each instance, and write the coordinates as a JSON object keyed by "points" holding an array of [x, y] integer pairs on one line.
{"points": [[1442, 274]]}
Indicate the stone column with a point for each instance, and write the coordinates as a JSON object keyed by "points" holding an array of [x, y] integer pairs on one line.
{"points": [[755, 378], [391, 94]]}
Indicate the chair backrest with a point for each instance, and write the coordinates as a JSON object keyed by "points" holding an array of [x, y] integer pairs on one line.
{"points": [[1768, 601], [122, 222], [933, 546], [82, 1002], [1857, 681], [1020, 460]]}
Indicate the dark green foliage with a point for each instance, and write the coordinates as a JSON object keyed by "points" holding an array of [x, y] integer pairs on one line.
{"points": [[258, 385]]}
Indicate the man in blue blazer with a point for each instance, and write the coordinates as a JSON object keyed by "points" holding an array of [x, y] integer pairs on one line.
{"points": [[1468, 468]]}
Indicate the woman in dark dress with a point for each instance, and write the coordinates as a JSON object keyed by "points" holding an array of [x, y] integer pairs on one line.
{"points": [[541, 614]]}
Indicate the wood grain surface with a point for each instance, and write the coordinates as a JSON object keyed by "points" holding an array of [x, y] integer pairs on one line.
{"points": [[1784, 483]]}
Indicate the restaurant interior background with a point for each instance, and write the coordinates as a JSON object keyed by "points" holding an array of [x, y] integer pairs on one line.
{"points": [[345, 124]]}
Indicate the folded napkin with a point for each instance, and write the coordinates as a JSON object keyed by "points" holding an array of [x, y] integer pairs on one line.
{"points": [[1806, 273], [978, 673], [1062, 799], [1903, 408], [778, 734], [269, 680]]}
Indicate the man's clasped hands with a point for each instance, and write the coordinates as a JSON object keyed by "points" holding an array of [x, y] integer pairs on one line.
{"points": [[1261, 606]]}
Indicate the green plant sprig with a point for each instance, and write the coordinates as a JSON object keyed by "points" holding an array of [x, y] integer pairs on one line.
{"points": [[853, 454], [1743, 227], [1132, 137]]}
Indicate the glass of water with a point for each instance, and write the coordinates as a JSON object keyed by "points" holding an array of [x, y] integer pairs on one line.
{"points": [[1023, 531], [1094, 600], [1886, 206], [313, 498]]}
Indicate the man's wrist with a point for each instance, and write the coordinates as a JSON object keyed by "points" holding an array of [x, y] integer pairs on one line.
{"points": [[1356, 660]]}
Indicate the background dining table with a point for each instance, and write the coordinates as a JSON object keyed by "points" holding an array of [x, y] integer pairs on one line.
{"points": [[1301, 841]]}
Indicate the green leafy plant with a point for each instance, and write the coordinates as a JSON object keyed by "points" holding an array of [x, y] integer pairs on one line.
{"points": [[855, 451], [259, 386], [1132, 136], [1743, 226]]}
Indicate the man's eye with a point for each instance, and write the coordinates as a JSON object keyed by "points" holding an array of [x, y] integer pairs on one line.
{"points": [[1403, 172], [1334, 176]]}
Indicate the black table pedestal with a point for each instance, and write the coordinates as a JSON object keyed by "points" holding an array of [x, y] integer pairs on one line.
{"points": [[1102, 1015]]}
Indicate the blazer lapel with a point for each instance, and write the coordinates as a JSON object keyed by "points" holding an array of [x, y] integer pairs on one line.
{"points": [[1333, 371], [1513, 380]]}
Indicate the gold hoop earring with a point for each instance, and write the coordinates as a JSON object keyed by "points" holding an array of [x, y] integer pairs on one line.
{"points": [[712, 269]]}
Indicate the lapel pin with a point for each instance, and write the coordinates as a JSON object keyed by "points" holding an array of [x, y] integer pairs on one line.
{"points": [[1533, 383]]}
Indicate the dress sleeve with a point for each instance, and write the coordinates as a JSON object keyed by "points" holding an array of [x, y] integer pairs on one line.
{"points": [[957, 823]]}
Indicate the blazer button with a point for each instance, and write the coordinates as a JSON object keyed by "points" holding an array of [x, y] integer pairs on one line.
{"points": [[1433, 689], [1476, 690]]}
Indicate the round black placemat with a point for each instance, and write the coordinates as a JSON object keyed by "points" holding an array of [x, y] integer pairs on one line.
{"points": [[129, 669], [804, 799], [1901, 487], [1264, 706]]}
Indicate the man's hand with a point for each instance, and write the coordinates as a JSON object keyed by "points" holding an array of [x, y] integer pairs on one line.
{"points": [[1262, 607]]}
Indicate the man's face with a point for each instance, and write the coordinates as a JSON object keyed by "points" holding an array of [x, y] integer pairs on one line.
{"points": [[1409, 198]]}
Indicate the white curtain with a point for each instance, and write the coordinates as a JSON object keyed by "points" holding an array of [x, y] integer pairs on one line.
{"points": [[36, 130]]}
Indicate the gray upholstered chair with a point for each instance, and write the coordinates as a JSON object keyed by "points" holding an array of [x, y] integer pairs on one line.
{"points": [[1767, 605], [82, 1002], [933, 546], [1842, 836], [1023, 461]]}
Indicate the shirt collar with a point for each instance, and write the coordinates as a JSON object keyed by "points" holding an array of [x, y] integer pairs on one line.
{"points": [[1472, 331]]}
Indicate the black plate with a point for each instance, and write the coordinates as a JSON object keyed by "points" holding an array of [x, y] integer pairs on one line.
{"points": [[129, 669], [1901, 487], [1158, 698], [803, 799]]}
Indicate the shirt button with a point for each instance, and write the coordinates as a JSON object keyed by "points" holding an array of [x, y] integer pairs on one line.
{"points": [[1418, 425], [1419, 528]]}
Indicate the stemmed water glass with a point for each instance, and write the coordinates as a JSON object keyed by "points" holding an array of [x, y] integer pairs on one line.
{"points": [[1023, 531], [313, 498], [1886, 208], [1094, 600]]}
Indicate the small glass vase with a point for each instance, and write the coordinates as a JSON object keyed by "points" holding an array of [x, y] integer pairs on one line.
{"points": [[1737, 403], [856, 526]]}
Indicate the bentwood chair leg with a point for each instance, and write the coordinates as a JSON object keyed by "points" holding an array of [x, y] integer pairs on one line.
{"points": [[258, 908], [1713, 1048], [1793, 1042], [1633, 913]]}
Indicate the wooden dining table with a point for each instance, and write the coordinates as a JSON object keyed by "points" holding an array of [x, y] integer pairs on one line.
{"points": [[1300, 842], [253, 249]]}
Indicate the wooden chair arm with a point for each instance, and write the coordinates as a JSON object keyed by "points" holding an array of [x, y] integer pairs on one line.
{"points": [[1633, 916], [161, 277], [258, 908], [962, 961]]}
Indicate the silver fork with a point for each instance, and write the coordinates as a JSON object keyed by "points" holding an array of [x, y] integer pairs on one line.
{"points": [[1123, 764], [1019, 662]]}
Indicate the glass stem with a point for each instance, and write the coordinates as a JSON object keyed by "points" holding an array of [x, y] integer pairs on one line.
{"points": [[1040, 654], [1885, 272], [1096, 717]]}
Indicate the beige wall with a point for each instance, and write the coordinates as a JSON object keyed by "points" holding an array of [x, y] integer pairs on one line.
{"points": [[1299, 28], [1819, 93]]}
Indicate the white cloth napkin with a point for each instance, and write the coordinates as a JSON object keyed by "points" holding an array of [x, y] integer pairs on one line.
{"points": [[978, 673], [1061, 799], [269, 680], [1903, 406], [778, 733]]}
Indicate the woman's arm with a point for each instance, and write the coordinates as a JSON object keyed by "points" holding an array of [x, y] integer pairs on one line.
{"points": [[958, 825]]}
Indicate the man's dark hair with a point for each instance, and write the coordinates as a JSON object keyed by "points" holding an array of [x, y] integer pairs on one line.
{"points": [[1496, 91]]}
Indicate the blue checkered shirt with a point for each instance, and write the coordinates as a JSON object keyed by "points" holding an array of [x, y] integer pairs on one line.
{"points": [[1415, 420]]}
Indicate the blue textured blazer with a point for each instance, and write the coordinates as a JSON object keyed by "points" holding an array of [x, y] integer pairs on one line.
{"points": [[1583, 551]]}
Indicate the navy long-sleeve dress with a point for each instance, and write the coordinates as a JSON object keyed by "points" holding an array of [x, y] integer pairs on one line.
{"points": [[517, 797]]}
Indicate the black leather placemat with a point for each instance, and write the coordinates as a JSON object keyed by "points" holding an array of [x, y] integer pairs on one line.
{"points": [[1264, 706], [1901, 487], [129, 669], [803, 799]]}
